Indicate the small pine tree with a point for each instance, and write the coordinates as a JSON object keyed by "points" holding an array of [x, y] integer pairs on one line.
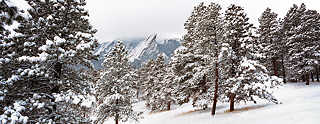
{"points": [[115, 91]]}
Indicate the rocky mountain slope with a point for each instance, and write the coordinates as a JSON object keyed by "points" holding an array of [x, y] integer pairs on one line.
{"points": [[140, 50]]}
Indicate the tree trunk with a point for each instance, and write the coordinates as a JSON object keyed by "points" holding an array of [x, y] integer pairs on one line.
{"points": [[58, 70], [275, 67], [169, 106], [317, 73], [303, 78], [283, 71], [117, 120], [117, 115], [215, 99], [137, 94], [312, 79], [231, 97], [307, 78]]}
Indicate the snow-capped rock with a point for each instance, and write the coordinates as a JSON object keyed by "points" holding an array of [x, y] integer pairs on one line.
{"points": [[140, 50]]}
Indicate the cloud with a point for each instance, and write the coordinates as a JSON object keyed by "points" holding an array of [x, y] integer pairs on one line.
{"points": [[118, 19]]}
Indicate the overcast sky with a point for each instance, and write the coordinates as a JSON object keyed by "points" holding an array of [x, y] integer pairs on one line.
{"points": [[122, 19]]}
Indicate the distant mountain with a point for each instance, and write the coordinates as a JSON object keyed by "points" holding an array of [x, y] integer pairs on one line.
{"points": [[140, 50]]}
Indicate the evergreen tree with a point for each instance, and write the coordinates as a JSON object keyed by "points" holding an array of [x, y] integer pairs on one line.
{"points": [[116, 94], [53, 49], [9, 113], [147, 80], [194, 64], [168, 86], [157, 86], [247, 78], [269, 40], [300, 27], [290, 20], [151, 85]]}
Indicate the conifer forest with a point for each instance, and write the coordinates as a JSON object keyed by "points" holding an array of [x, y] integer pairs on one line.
{"points": [[224, 70]]}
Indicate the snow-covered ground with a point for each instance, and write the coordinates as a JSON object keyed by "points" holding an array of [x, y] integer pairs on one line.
{"points": [[300, 105]]}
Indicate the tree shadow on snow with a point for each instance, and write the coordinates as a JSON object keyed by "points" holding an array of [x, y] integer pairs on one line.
{"points": [[237, 110], [247, 108], [199, 111]]}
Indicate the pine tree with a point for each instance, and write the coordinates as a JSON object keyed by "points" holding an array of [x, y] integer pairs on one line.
{"points": [[247, 78], [196, 63], [9, 113], [147, 80], [151, 85], [300, 27], [53, 49], [289, 21], [116, 94], [269, 40], [157, 86], [168, 87]]}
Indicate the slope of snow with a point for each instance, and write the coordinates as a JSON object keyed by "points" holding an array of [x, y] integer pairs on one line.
{"points": [[300, 105]]}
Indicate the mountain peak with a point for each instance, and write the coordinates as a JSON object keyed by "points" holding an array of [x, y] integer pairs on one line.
{"points": [[140, 50], [146, 45]]}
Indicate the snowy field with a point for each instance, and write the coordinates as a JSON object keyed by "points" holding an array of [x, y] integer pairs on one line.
{"points": [[300, 105]]}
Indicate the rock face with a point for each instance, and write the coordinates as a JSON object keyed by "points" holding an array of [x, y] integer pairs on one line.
{"points": [[140, 51]]}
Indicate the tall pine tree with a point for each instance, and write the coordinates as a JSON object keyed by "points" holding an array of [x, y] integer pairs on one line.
{"points": [[196, 64], [269, 40], [300, 27], [247, 78]]}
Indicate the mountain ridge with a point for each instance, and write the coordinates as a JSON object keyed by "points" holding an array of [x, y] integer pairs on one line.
{"points": [[140, 51]]}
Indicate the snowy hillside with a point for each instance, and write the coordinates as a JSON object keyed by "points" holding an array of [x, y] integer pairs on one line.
{"points": [[300, 105]]}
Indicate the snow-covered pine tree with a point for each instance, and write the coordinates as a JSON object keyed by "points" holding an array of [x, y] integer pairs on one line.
{"points": [[195, 63], [268, 38], [247, 78], [290, 20], [115, 91], [308, 36], [225, 64], [157, 86], [50, 50], [7, 16], [300, 27], [168, 87], [9, 113], [150, 85], [145, 78]]}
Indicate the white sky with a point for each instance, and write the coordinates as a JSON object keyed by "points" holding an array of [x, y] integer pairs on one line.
{"points": [[121, 19]]}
